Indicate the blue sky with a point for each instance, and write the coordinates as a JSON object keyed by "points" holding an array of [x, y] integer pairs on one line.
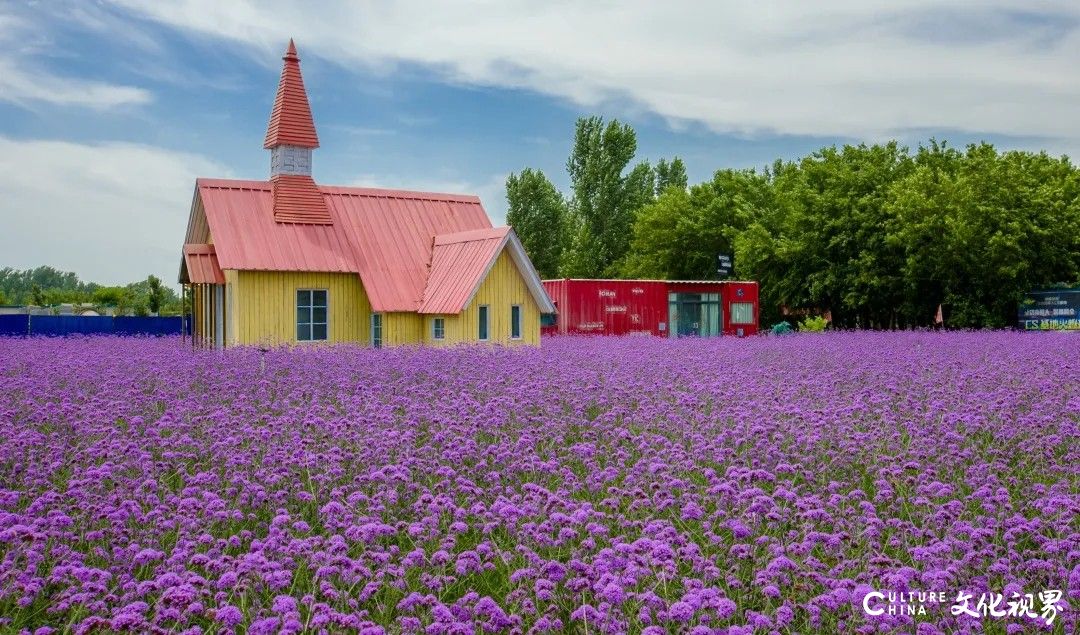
{"points": [[109, 110]]}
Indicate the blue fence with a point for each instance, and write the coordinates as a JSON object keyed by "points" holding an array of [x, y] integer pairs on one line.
{"points": [[88, 325], [14, 324]]}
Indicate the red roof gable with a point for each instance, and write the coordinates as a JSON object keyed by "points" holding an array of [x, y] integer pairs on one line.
{"points": [[459, 263], [201, 265], [290, 120]]}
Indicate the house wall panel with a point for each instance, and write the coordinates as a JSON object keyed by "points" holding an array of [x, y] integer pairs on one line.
{"points": [[265, 306], [503, 287], [402, 328]]}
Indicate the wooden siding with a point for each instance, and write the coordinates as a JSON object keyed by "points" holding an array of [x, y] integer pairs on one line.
{"points": [[203, 324], [265, 305], [503, 287], [402, 328], [232, 324]]}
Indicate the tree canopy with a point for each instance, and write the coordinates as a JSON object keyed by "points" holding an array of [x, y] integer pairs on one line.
{"points": [[588, 233], [537, 212], [47, 286]]}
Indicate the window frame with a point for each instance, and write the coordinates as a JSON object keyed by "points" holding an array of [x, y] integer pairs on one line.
{"points": [[438, 328], [311, 306], [483, 323], [734, 314], [375, 323], [515, 321]]}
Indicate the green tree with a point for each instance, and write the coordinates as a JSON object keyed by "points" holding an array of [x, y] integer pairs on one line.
{"points": [[37, 296], [659, 237], [681, 234], [110, 296], [671, 174], [155, 296], [603, 203], [980, 228], [537, 212]]}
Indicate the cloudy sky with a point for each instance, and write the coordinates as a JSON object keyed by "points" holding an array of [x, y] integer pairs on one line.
{"points": [[109, 110]]}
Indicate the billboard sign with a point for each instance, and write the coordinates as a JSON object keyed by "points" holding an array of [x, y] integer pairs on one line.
{"points": [[724, 265], [1052, 310]]}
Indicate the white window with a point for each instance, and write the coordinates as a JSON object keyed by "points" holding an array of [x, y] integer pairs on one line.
{"points": [[311, 315], [742, 312], [376, 330], [515, 322], [438, 328], [482, 333]]}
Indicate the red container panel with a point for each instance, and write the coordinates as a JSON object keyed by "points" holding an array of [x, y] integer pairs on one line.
{"points": [[738, 292], [638, 307], [609, 307]]}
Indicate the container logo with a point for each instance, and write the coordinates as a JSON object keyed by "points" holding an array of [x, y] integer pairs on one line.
{"points": [[637, 290], [607, 293]]}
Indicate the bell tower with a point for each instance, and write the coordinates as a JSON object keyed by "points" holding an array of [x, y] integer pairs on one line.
{"points": [[291, 138]]}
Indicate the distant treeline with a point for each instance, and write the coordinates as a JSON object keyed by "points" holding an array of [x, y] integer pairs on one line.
{"points": [[46, 286], [876, 235]]}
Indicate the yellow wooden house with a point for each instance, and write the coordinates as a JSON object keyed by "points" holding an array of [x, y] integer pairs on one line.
{"points": [[289, 261]]}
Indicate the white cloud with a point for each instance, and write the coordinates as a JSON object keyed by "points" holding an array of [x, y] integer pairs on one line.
{"points": [[111, 212], [25, 81], [22, 87], [863, 68]]}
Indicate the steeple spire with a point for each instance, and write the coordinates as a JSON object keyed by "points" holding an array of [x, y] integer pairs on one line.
{"points": [[290, 138], [290, 120]]}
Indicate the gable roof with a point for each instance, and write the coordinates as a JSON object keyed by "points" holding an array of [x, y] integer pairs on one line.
{"points": [[388, 237], [290, 120], [460, 262], [200, 266]]}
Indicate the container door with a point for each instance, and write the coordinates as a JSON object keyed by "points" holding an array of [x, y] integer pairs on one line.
{"points": [[673, 315]]}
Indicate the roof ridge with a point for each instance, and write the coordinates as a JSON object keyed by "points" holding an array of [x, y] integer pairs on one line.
{"points": [[342, 190], [357, 190], [471, 235]]}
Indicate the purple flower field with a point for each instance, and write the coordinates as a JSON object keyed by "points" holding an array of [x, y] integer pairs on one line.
{"points": [[764, 485]]}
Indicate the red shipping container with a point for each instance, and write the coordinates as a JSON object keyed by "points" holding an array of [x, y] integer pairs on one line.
{"points": [[662, 308]]}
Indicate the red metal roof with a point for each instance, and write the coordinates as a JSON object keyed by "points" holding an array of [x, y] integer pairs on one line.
{"points": [[459, 263], [386, 236], [201, 264], [298, 200], [290, 120]]}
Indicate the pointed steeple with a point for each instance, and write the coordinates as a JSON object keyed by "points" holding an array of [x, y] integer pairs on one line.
{"points": [[290, 138], [290, 120]]}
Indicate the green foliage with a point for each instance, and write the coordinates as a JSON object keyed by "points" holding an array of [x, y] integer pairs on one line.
{"points": [[18, 285], [537, 212], [604, 199], [3, 298], [110, 296], [781, 328], [588, 234], [671, 174], [155, 296], [813, 324], [876, 234]]}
